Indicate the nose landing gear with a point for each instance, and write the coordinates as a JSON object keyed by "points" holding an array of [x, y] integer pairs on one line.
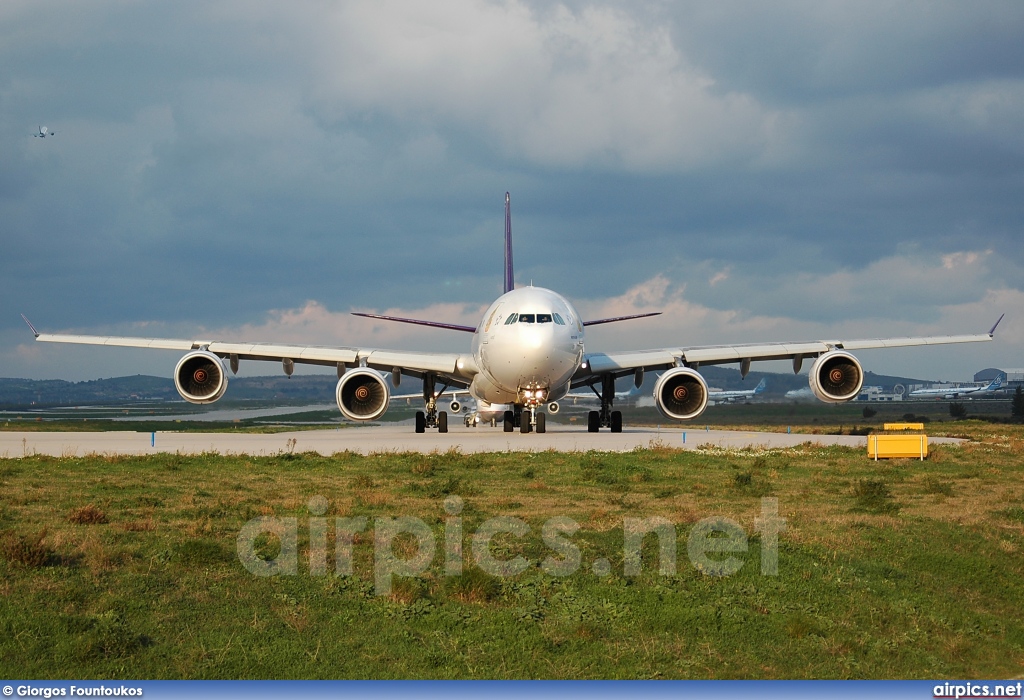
{"points": [[527, 419]]}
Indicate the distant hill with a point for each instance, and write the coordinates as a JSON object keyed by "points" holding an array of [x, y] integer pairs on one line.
{"points": [[319, 388], [119, 390], [777, 384]]}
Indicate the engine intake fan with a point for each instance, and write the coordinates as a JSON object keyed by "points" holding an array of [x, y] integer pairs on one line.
{"points": [[200, 377], [362, 395], [681, 394], [836, 377]]}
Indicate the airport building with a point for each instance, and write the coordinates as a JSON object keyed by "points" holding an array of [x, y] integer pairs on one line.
{"points": [[877, 393], [1014, 377]]}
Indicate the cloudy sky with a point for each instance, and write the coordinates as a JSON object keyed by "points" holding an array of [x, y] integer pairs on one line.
{"points": [[257, 170]]}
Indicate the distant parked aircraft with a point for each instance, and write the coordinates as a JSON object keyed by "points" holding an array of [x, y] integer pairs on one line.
{"points": [[953, 393], [44, 132], [475, 413], [726, 396]]}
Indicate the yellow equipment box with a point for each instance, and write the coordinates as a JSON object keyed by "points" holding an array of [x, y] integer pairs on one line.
{"points": [[903, 426], [897, 446]]}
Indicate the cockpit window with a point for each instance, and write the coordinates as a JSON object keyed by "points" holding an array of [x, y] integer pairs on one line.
{"points": [[558, 320], [511, 319], [526, 318], [543, 318]]}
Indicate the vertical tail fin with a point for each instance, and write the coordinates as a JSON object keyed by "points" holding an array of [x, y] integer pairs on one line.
{"points": [[510, 280]]}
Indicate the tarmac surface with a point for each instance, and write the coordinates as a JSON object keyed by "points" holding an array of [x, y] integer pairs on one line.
{"points": [[399, 437]]}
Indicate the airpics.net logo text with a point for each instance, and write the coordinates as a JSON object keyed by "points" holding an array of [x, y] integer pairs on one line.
{"points": [[711, 544]]}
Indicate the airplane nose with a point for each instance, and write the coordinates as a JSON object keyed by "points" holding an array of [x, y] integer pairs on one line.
{"points": [[533, 338]]}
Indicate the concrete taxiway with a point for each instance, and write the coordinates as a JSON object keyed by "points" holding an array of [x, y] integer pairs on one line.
{"points": [[401, 438]]}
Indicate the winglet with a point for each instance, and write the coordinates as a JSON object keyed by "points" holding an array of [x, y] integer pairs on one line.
{"points": [[991, 332], [34, 331], [510, 280]]}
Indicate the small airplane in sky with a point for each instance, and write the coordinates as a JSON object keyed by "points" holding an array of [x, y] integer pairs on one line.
{"points": [[725, 396], [44, 132], [526, 352], [957, 392]]}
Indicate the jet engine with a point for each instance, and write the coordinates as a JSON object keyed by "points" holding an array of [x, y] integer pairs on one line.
{"points": [[681, 394], [200, 377], [553, 407], [362, 395], [455, 406], [836, 377]]}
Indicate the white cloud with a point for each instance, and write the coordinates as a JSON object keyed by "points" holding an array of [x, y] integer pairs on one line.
{"points": [[967, 306], [315, 324], [557, 87]]}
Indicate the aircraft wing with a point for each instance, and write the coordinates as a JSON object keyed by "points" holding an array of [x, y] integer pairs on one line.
{"points": [[623, 363], [458, 368]]}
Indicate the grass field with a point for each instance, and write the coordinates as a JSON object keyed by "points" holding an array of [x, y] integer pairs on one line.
{"points": [[127, 567]]}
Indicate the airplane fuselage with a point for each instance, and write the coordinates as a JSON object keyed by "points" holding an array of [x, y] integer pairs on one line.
{"points": [[527, 348], [954, 393]]}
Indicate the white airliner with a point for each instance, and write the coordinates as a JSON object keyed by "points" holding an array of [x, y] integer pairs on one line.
{"points": [[956, 392], [527, 351], [44, 132], [725, 396]]}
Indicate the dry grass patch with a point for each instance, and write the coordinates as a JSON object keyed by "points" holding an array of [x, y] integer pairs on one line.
{"points": [[146, 525], [406, 590], [375, 498], [87, 515], [27, 550], [473, 586]]}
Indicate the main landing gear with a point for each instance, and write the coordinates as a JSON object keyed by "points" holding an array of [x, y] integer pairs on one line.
{"points": [[527, 421], [431, 417], [606, 417]]}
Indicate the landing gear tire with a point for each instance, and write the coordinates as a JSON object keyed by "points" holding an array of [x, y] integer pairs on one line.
{"points": [[442, 422], [593, 422], [509, 422], [616, 421], [421, 422], [541, 427], [524, 426]]}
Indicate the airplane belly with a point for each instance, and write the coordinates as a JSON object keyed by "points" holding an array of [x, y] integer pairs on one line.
{"points": [[485, 389]]}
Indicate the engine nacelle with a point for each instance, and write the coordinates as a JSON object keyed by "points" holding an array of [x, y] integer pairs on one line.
{"points": [[455, 406], [362, 395], [553, 407], [681, 394], [200, 377], [836, 377]]}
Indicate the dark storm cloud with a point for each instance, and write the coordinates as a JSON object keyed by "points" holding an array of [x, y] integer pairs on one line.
{"points": [[215, 161]]}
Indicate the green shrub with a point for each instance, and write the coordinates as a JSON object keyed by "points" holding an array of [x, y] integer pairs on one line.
{"points": [[875, 497]]}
